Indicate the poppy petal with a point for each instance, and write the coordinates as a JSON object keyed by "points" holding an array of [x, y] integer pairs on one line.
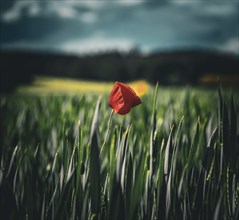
{"points": [[123, 98], [124, 109]]}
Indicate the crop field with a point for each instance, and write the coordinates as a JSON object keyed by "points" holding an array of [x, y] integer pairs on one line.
{"points": [[67, 156]]}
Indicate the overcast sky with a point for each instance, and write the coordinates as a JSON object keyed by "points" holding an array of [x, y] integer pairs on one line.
{"points": [[92, 26]]}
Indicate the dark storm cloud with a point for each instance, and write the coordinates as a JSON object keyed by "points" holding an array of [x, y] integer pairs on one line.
{"points": [[6, 5], [97, 25]]}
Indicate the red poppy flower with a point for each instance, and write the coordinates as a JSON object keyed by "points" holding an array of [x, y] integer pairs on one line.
{"points": [[123, 98]]}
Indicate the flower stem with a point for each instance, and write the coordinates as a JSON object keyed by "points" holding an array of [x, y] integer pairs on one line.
{"points": [[107, 132]]}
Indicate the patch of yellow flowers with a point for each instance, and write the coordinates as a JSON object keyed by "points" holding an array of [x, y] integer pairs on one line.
{"points": [[45, 85]]}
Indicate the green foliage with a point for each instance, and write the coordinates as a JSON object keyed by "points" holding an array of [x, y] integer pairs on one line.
{"points": [[176, 156]]}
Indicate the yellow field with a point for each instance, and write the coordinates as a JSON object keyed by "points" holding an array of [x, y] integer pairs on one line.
{"points": [[46, 85]]}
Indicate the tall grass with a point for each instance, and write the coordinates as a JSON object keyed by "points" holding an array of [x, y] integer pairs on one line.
{"points": [[176, 156]]}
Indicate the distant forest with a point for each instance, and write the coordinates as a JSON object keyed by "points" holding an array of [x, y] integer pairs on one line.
{"points": [[172, 67]]}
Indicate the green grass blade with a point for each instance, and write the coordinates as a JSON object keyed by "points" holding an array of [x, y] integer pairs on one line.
{"points": [[94, 166], [167, 155]]}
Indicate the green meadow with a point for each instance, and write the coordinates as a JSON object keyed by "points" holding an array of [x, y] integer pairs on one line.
{"points": [[175, 156]]}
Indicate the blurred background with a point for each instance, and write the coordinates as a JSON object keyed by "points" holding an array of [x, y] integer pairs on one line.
{"points": [[173, 42]]}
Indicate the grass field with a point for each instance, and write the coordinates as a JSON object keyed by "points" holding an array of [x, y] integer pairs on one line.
{"points": [[175, 156]]}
